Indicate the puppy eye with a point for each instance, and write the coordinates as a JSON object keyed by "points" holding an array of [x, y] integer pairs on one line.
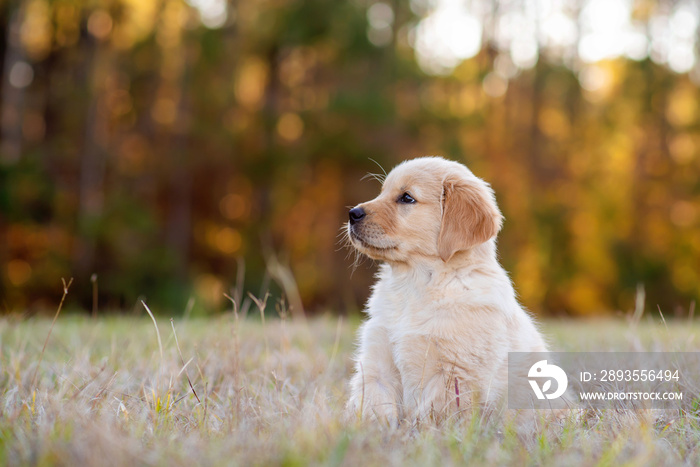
{"points": [[406, 199]]}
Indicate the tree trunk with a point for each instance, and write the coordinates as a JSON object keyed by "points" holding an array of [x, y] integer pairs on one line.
{"points": [[12, 92], [93, 162]]}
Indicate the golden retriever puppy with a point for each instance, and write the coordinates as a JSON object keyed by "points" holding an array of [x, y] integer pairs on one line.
{"points": [[443, 314]]}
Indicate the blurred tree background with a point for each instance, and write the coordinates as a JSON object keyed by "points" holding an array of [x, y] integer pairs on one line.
{"points": [[162, 145]]}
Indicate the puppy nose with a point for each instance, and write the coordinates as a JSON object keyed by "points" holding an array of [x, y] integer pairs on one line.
{"points": [[356, 215]]}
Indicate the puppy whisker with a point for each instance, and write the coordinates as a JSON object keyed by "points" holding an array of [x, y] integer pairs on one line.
{"points": [[380, 167], [345, 242], [378, 177]]}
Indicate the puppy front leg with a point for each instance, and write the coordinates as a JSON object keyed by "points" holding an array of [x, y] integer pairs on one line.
{"points": [[428, 382], [435, 400], [375, 388]]}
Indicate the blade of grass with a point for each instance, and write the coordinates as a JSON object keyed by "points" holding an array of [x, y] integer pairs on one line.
{"points": [[93, 279], [188, 309], [177, 344], [262, 304], [336, 344], [58, 311], [663, 320], [160, 344]]}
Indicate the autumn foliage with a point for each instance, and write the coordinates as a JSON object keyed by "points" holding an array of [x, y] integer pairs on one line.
{"points": [[155, 143]]}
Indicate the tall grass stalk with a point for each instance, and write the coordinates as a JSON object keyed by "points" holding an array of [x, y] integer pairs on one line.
{"points": [[55, 317], [184, 365]]}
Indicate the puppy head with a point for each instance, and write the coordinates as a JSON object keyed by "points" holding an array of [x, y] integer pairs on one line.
{"points": [[428, 207]]}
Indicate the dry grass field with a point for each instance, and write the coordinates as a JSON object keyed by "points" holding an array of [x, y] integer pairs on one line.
{"points": [[104, 393]]}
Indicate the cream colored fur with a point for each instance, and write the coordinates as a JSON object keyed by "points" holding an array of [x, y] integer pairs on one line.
{"points": [[443, 314]]}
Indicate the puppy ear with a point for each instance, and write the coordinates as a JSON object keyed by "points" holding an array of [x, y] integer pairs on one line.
{"points": [[470, 216]]}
